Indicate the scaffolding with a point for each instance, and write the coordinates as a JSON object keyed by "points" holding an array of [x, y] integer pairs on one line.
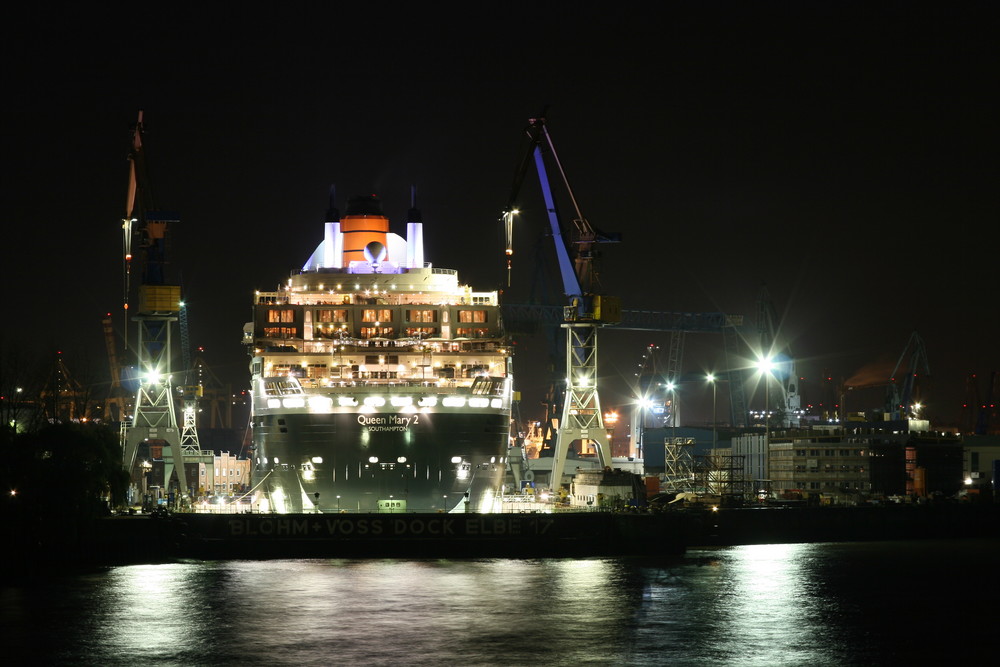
{"points": [[678, 470], [723, 475]]}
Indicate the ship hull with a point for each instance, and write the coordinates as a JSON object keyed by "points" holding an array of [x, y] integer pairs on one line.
{"points": [[379, 462]]}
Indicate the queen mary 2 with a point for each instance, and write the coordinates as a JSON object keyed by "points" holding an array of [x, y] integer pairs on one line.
{"points": [[380, 382]]}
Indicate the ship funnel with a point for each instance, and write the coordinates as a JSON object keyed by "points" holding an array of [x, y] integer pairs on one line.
{"points": [[363, 224]]}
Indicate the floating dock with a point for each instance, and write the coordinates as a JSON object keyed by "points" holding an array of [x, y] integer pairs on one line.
{"points": [[261, 536]]}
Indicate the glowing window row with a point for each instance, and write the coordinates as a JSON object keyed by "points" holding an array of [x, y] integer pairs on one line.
{"points": [[326, 403]]}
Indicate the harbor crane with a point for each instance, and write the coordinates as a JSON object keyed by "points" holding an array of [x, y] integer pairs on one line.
{"points": [[154, 419], [576, 411], [902, 396], [902, 386], [584, 311]]}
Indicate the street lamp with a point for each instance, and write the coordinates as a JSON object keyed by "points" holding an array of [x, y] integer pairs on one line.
{"points": [[711, 379], [765, 365]]}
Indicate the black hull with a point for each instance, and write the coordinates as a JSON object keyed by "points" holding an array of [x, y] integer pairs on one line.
{"points": [[358, 462], [578, 535]]}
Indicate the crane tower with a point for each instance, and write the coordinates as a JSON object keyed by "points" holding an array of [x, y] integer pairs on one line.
{"points": [[154, 419], [584, 311]]}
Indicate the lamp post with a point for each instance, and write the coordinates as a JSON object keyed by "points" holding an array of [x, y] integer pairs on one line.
{"points": [[711, 379], [765, 365]]}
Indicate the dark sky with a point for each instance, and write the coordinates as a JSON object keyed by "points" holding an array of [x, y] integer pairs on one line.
{"points": [[844, 154]]}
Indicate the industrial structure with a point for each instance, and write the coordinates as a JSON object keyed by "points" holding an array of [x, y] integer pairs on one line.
{"points": [[573, 405], [583, 314], [154, 419]]}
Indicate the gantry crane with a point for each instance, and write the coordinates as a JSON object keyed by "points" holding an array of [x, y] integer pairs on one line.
{"points": [[154, 419], [584, 311]]}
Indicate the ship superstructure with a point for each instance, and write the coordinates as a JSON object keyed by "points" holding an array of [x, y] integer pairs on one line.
{"points": [[380, 382]]}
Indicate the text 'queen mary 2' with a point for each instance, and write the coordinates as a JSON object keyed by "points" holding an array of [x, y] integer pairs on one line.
{"points": [[380, 382]]}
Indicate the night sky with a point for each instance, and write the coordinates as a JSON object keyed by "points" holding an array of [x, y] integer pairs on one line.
{"points": [[842, 154]]}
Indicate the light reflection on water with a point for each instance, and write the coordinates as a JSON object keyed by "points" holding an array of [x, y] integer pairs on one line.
{"points": [[796, 604]]}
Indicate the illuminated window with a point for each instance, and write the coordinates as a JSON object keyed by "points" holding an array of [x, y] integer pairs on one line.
{"points": [[280, 315], [472, 316], [376, 315], [317, 371], [331, 315], [421, 315]]}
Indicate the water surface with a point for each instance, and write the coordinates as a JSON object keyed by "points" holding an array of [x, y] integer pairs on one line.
{"points": [[788, 604]]}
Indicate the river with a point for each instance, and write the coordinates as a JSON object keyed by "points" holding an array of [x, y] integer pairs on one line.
{"points": [[866, 603]]}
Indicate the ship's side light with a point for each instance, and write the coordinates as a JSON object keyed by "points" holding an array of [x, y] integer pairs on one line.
{"points": [[293, 402], [372, 459], [401, 459], [320, 403], [456, 459], [274, 402], [453, 401], [347, 402], [400, 401], [496, 403], [375, 401], [478, 402], [428, 401]]}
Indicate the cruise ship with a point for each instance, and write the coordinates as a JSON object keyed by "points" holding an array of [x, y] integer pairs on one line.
{"points": [[380, 382]]}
